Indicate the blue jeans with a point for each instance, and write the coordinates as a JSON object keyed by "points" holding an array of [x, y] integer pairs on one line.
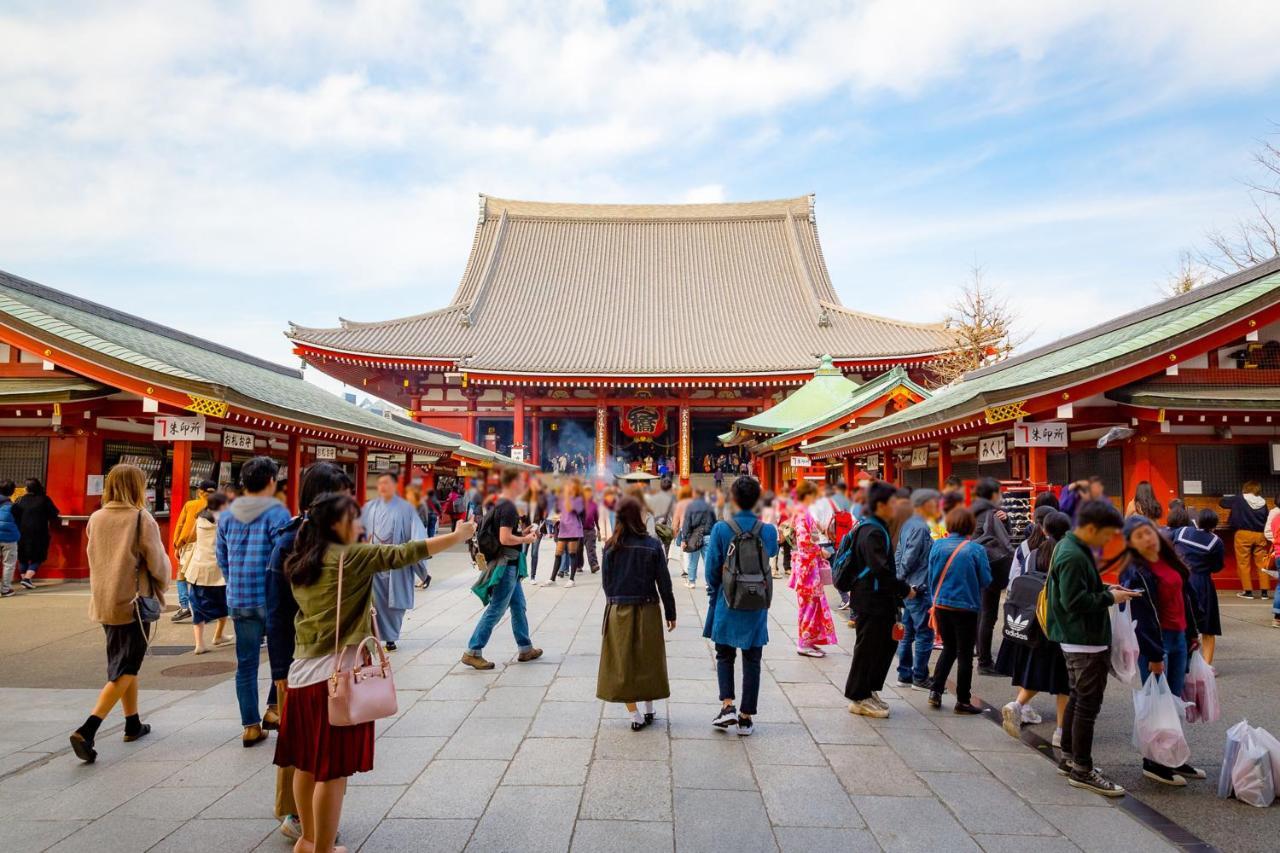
{"points": [[507, 594], [251, 627], [1175, 661], [695, 557], [184, 595], [917, 639]]}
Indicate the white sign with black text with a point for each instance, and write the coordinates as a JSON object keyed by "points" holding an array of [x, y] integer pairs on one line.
{"points": [[517, 454], [991, 449], [801, 461], [173, 428], [237, 440], [326, 451], [919, 457], [1040, 435]]}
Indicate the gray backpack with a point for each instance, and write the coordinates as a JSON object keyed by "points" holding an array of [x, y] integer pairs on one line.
{"points": [[745, 578]]}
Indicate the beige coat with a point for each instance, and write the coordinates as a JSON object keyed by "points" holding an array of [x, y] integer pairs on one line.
{"points": [[202, 566], [115, 547]]}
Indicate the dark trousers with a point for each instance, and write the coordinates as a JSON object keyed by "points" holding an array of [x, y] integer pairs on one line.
{"points": [[750, 675], [589, 538], [873, 651], [1088, 675], [987, 622], [534, 547], [956, 627]]}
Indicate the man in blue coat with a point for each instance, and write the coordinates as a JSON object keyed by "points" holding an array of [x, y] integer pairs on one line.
{"points": [[732, 629], [389, 519]]}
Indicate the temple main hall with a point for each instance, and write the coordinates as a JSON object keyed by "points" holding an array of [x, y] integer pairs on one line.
{"points": [[594, 338]]}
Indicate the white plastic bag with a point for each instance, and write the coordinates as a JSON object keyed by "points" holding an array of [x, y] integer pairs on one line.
{"points": [[1157, 724], [1251, 776], [1267, 741], [1124, 649], [1200, 692], [1235, 737]]}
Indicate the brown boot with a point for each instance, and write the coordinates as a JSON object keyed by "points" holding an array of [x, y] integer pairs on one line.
{"points": [[253, 735], [271, 719], [532, 654], [475, 661]]}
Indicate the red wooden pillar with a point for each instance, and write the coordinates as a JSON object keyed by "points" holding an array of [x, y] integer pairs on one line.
{"points": [[179, 489], [415, 403], [472, 420], [1037, 465], [944, 462], [535, 430], [293, 487], [517, 423], [406, 475], [362, 475], [887, 467]]}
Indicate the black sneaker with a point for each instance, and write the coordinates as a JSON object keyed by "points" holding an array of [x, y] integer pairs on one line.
{"points": [[935, 699], [745, 726], [143, 731], [1245, 594], [26, 584], [921, 684], [1186, 771], [1264, 594], [1064, 767], [1163, 775], [966, 708], [83, 748], [6, 593], [904, 682], [182, 613], [1096, 782], [727, 716], [391, 647]]}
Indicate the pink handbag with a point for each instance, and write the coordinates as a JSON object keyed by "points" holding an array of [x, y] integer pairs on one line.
{"points": [[367, 691]]}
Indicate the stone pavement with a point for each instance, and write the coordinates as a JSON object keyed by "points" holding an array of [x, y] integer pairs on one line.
{"points": [[526, 759]]}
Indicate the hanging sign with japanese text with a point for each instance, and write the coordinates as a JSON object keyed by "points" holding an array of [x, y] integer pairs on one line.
{"points": [[1040, 435], [801, 461], [919, 457], [170, 428], [237, 440], [326, 451], [991, 449], [873, 462], [517, 454]]}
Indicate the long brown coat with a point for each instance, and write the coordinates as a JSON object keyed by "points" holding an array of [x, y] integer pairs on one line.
{"points": [[119, 546]]}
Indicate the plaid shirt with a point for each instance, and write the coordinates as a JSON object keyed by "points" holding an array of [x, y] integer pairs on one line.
{"points": [[244, 552]]}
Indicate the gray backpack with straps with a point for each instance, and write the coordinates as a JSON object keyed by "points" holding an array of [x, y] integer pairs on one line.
{"points": [[745, 577]]}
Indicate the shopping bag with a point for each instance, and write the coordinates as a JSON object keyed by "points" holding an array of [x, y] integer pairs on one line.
{"points": [[1157, 724], [1269, 742], [1235, 737], [1251, 777], [1124, 649], [1200, 692]]}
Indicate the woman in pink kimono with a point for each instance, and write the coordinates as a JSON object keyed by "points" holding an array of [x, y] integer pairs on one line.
{"points": [[808, 567]]}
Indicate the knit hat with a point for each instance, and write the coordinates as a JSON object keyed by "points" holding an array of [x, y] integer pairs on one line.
{"points": [[1135, 521], [920, 497]]}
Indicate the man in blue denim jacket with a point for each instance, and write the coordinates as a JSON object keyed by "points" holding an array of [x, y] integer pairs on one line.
{"points": [[912, 559]]}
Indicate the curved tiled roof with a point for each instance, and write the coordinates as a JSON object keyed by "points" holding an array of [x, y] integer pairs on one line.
{"points": [[635, 290]]}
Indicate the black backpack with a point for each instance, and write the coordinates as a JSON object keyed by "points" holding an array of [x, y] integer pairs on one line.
{"points": [[746, 579], [487, 541], [1020, 623], [843, 573]]}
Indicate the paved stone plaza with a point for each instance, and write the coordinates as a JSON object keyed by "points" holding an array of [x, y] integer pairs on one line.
{"points": [[526, 759]]}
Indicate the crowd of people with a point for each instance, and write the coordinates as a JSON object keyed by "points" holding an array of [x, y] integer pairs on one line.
{"points": [[918, 571], [25, 533]]}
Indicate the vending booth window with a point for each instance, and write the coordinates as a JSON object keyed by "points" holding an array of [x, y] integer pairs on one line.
{"points": [[23, 458]]}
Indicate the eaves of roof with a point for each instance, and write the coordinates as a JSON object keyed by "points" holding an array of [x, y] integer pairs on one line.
{"points": [[864, 396]]}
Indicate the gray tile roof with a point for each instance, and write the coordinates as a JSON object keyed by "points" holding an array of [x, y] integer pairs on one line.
{"points": [[708, 289]]}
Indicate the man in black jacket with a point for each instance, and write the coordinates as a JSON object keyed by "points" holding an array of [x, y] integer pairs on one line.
{"points": [[875, 598], [993, 535], [695, 531]]}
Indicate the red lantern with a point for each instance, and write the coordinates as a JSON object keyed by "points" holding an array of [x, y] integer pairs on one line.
{"points": [[643, 421]]}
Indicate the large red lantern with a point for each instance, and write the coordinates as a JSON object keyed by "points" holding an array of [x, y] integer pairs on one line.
{"points": [[643, 421]]}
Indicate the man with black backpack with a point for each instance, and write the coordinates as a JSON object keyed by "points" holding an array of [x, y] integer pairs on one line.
{"points": [[875, 594], [739, 592], [499, 587], [699, 518], [993, 536]]}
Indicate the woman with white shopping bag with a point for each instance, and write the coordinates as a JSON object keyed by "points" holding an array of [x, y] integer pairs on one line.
{"points": [[1165, 621]]}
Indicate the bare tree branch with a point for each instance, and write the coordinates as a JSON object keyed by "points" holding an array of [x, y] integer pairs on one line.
{"points": [[1186, 278], [1256, 239], [980, 323]]}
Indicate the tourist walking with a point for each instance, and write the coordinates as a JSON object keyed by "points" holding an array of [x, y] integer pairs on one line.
{"points": [[321, 478], [1247, 520], [875, 598], [568, 533], [733, 629], [1164, 618], [9, 536], [1204, 556], [1040, 668], [695, 534], [541, 507], [1077, 603], [36, 514], [684, 495], [911, 560], [206, 587], [183, 530], [389, 519], [637, 588], [958, 573], [128, 574], [810, 574], [590, 528], [499, 587], [992, 534], [328, 564], [247, 533], [661, 505]]}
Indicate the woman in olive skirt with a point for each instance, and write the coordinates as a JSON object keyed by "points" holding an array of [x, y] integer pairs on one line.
{"points": [[633, 653]]}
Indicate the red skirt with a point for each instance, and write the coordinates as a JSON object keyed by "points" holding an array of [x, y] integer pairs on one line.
{"points": [[308, 743]]}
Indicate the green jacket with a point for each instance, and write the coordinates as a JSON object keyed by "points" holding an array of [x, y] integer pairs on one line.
{"points": [[483, 588], [317, 603], [1078, 600]]}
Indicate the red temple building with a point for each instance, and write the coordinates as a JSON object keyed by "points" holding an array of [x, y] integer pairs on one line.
{"points": [[612, 335]]}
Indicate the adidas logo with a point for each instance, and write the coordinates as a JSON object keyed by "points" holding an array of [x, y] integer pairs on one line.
{"points": [[1017, 623]]}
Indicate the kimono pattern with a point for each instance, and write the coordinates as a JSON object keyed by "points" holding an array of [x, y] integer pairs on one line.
{"points": [[816, 627]]}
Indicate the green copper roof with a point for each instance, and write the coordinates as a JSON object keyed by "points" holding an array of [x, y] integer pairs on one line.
{"points": [[827, 389], [1095, 351], [193, 364], [862, 395]]}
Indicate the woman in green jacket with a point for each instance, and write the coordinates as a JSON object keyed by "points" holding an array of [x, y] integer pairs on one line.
{"points": [[324, 755]]}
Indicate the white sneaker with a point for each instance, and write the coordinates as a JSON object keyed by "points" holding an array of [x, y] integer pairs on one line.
{"points": [[866, 708], [690, 585], [291, 828], [1030, 717], [568, 584], [1057, 739], [1010, 722], [549, 582], [875, 697]]}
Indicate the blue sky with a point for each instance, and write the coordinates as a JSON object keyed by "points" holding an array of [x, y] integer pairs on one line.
{"points": [[238, 166]]}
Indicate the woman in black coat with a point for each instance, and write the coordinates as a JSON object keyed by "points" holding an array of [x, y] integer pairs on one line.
{"points": [[35, 513]]}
